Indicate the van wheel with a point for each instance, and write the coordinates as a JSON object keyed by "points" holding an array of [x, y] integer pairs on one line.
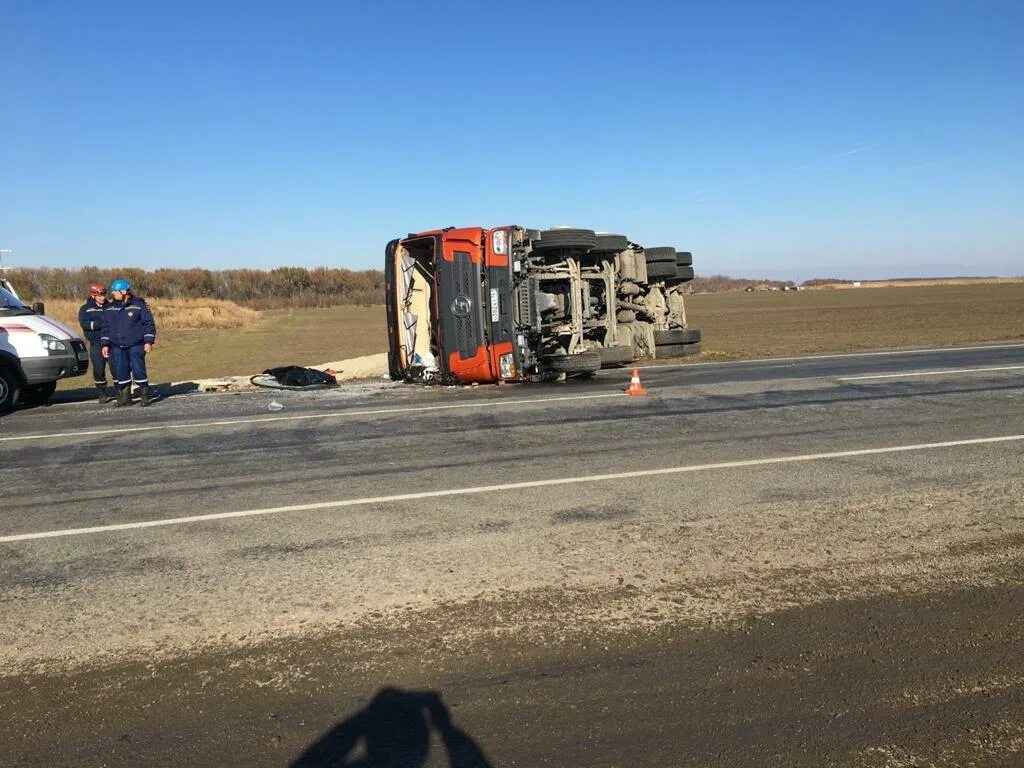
{"points": [[38, 394], [10, 388]]}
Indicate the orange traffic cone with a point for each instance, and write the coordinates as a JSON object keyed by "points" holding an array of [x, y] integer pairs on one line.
{"points": [[635, 387]]}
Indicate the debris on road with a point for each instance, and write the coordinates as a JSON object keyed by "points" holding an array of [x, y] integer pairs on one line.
{"points": [[294, 377]]}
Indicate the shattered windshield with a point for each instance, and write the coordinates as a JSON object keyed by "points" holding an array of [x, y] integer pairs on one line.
{"points": [[10, 305]]}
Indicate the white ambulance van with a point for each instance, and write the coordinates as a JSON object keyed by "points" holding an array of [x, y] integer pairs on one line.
{"points": [[35, 351]]}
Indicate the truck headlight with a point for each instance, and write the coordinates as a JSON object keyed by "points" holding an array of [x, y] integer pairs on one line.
{"points": [[52, 343], [507, 366], [499, 242]]}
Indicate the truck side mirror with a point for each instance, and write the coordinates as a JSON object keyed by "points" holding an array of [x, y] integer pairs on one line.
{"points": [[39, 308]]}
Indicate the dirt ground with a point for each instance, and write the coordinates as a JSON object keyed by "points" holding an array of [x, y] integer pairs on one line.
{"points": [[762, 625]]}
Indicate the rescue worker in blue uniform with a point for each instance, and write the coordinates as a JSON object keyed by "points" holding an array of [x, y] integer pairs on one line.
{"points": [[129, 332], [90, 317]]}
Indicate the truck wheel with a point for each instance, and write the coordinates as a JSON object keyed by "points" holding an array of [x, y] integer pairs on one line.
{"points": [[684, 258], [662, 351], [582, 362], [10, 388], [610, 243], [615, 357], [38, 394], [657, 255], [574, 239], [683, 275], [660, 270], [682, 336]]}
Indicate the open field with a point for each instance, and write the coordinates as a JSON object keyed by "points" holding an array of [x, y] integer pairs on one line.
{"points": [[735, 326], [746, 325], [919, 282]]}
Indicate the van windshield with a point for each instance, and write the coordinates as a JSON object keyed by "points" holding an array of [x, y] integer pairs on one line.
{"points": [[10, 305]]}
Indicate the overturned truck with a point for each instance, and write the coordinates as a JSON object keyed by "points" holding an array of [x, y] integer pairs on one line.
{"points": [[475, 305]]}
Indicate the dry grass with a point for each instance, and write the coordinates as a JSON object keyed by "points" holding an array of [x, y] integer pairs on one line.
{"points": [[174, 314]]}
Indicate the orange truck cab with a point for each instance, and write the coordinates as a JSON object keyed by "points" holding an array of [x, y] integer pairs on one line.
{"points": [[449, 304]]}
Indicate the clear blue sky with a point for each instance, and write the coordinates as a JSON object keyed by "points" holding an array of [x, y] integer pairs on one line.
{"points": [[785, 139]]}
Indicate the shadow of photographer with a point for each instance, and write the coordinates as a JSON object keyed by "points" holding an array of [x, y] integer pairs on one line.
{"points": [[394, 731]]}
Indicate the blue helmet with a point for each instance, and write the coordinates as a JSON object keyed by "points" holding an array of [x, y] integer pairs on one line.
{"points": [[120, 285]]}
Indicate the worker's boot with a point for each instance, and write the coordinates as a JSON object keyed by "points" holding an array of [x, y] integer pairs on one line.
{"points": [[101, 389], [124, 396], [144, 396]]}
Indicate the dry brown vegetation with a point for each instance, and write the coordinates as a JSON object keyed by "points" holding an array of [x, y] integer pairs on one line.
{"points": [[173, 314], [278, 288]]}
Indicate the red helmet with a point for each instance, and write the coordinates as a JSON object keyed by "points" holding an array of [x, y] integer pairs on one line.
{"points": [[97, 290]]}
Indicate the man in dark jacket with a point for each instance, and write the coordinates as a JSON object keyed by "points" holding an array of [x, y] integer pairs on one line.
{"points": [[128, 333], [90, 317]]}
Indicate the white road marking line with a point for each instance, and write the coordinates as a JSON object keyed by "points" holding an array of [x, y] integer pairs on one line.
{"points": [[301, 417], [890, 352], [930, 373], [504, 487]]}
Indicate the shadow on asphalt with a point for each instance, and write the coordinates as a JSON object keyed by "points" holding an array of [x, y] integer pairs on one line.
{"points": [[394, 731], [84, 394]]}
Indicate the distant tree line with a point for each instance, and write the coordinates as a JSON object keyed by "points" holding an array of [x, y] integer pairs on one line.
{"points": [[720, 283], [273, 289], [259, 289]]}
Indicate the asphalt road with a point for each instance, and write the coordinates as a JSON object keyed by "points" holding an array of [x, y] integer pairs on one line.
{"points": [[812, 561]]}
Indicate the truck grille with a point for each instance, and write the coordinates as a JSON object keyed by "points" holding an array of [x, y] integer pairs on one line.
{"points": [[461, 308], [465, 339]]}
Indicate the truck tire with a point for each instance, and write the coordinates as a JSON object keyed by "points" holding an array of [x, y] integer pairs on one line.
{"points": [[657, 255], [38, 394], [660, 270], [615, 357], [582, 362], [681, 336], [572, 239], [10, 389], [662, 351], [683, 275], [684, 258], [610, 243]]}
